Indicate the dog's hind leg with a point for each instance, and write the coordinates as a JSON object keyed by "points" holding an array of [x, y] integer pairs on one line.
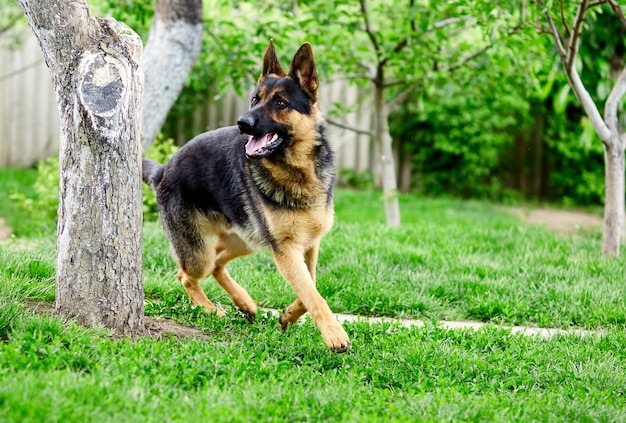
{"points": [[195, 258], [293, 312], [229, 247], [196, 293]]}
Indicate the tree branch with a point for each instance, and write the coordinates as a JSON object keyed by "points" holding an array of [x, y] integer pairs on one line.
{"points": [[574, 39], [368, 28], [467, 59], [393, 83], [20, 70], [613, 103], [401, 97], [588, 105], [573, 77], [349, 128], [618, 12], [402, 43], [563, 20], [596, 3], [445, 22], [558, 39]]}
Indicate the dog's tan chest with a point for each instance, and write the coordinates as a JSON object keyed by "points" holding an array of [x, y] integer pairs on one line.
{"points": [[300, 226]]}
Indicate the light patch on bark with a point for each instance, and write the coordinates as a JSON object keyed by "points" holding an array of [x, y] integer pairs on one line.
{"points": [[171, 51], [101, 89]]}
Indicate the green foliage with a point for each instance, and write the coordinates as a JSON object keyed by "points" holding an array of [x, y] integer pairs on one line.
{"points": [[359, 180], [578, 157], [137, 14], [458, 131], [10, 18], [41, 209], [161, 151], [14, 180]]}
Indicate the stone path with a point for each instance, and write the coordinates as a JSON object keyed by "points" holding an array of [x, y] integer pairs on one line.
{"points": [[544, 333]]}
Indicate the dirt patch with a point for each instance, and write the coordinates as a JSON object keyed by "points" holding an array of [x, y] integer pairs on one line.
{"points": [[161, 328], [562, 221], [154, 328], [5, 231]]}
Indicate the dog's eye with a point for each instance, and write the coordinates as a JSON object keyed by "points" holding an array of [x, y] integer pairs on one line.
{"points": [[281, 104], [253, 101]]}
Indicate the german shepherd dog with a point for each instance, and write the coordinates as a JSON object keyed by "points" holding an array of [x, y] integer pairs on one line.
{"points": [[267, 182]]}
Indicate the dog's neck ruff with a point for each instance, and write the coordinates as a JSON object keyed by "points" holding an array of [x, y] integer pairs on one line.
{"points": [[295, 193]]}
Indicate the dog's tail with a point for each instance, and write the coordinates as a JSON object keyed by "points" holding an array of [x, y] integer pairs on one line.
{"points": [[151, 172]]}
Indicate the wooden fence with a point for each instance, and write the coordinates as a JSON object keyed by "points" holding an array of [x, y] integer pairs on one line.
{"points": [[29, 122]]}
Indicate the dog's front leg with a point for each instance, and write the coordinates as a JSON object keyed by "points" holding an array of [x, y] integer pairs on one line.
{"points": [[290, 261], [294, 311]]}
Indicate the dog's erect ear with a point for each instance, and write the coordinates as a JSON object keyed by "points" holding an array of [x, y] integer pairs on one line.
{"points": [[303, 68], [270, 62]]}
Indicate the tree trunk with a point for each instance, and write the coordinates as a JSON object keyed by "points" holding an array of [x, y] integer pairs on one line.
{"points": [[614, 198], [384, 140], [99, 85], [173, 47], [614, 170]]}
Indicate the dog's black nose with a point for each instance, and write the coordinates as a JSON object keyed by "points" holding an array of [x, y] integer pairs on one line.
{"points": [[246, 123]]}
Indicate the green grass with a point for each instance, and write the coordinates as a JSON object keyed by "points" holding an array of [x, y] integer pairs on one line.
{"points": [[450, 260]]}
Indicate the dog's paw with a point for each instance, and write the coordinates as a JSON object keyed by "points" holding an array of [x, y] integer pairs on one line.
{"points": [[341, 346], [284, 324], [250, 317], [337, 339], [214, 310]]}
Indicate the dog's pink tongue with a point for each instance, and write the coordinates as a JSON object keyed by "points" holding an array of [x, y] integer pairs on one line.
{"points": [[255, 144]]}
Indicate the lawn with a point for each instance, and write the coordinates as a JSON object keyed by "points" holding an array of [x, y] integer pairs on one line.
{"points": [[451, 259]]}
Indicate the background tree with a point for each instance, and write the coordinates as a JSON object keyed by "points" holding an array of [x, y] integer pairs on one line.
{"points": [[567, 38], [172, 48]]}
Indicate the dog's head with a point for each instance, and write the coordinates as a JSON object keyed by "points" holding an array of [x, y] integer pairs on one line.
{"points": [[280, 102]]}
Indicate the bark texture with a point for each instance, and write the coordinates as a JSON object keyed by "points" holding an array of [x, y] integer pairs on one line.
{"points": [[384, 141], [173, 47], [614, 199], [99, 85]]}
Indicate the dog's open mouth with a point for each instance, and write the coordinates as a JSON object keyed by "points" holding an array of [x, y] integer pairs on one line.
{"points": [[262, 146]]}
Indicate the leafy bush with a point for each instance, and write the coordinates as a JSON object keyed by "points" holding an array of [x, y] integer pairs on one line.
{"points": [[162, 150], [456, 135], [576, 159], [360, 180], [41, 209]]}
